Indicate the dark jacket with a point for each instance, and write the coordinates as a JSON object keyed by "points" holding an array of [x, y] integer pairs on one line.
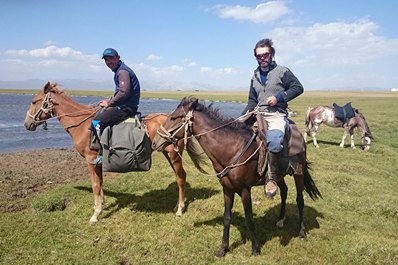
{"points": [[280, 83], [127, 90]]}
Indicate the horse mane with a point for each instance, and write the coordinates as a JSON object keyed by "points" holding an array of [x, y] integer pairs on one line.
{"points": [[216, 116], [197, 154], [194, 150]]}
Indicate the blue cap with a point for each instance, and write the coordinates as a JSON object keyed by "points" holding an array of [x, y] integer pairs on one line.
{"points": [[109, 52]]}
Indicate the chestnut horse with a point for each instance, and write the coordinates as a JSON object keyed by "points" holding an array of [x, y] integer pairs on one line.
{"points": [[231, 147], [315, 116], [76, 118]]}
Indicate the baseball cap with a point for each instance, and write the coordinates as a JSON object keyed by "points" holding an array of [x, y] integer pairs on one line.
{"points": [[109, 52]]}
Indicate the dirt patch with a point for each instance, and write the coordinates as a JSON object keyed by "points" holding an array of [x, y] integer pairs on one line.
{"points": [[24, 174]]}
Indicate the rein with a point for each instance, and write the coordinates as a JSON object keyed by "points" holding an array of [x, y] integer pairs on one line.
{"points": [[186, 123]]}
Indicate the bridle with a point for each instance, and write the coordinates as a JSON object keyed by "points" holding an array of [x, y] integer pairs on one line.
{"points": [[46, 107], [185, 123]]}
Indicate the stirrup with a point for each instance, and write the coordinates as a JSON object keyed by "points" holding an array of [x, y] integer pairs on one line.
{"points": [[97, 161], [270, 188]]}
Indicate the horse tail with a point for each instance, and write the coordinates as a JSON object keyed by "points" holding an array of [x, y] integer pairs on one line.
{"points": [[308, 122], [197, 154], [309, 184]]}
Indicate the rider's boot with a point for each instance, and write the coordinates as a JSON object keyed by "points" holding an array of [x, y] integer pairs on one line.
{"points": [[97, 132], [270, 187]]}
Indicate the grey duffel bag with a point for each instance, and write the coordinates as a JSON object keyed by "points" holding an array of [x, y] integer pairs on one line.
{"points": [[126, 147]]}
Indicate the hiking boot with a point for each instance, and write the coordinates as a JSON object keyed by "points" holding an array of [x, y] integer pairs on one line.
{"points": [[97, 161], [270, 188]]}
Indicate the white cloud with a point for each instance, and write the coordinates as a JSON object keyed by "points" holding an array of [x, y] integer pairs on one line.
{"points": [[262, 13], [175, 68], [205, 69], [51, 52], [337, 43], [153, 57]]}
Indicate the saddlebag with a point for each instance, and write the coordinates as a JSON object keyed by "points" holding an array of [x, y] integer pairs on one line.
{"points": [[126, 147]]}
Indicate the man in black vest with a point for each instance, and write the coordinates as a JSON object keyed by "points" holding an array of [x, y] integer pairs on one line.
{"points": [[125, 100], [271, 87]]}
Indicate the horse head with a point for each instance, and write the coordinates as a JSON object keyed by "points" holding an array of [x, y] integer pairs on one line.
{"points": [[177, 124], [41, 108], [366, 134]]}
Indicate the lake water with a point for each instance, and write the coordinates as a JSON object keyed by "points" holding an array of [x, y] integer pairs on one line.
{"points": [[14, 137]]}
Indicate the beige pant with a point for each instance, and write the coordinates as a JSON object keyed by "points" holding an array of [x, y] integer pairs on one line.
{"points": [[275, 120]]}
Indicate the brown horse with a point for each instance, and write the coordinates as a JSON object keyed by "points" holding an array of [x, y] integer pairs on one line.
{"points": [[234, 155], [76, 118], [315, 116]]}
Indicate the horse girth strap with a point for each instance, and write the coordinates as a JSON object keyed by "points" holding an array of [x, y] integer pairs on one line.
{"points": [[225, 171]]}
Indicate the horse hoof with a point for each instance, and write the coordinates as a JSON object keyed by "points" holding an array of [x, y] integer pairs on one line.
{"points": [[279, 224], [221, 252], [255, 252], [302, 235], [93, 221], [179, 213]]}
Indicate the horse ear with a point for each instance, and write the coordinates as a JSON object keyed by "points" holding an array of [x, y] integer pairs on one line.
{"points": [[47, 88], [193, 104]]}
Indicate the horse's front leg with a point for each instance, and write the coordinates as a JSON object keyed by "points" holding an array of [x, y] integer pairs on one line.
{"points": [[247, 205], [96, 185], [228, 204], [283, 193], [352, 141]]}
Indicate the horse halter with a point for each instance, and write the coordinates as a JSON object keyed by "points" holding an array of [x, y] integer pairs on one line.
{"points": [[47, 107], [170, 134]]}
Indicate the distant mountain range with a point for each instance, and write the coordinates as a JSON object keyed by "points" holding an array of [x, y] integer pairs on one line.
{"points": [[76, 84]]}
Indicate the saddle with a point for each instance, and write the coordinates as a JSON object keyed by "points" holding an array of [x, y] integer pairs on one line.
{"points": [[344, 113], [293, 145]]}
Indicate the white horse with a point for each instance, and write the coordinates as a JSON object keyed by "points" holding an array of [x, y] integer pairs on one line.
{"points": [[315, 116]]}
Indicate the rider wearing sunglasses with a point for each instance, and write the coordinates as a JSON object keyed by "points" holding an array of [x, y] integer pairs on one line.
{"points": [[271, 87]]}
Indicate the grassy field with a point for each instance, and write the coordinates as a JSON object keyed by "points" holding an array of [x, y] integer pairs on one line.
{"points": [[356, 222]]}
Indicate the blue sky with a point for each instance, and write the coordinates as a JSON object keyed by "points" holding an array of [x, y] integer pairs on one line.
{"points": [[206, 45]]}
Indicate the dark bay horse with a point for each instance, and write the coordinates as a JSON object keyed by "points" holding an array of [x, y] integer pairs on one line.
{"points": [[75, 118], [229, 146], [315, 116]]}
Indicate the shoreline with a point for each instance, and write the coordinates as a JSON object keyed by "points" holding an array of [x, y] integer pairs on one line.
{"points": [[23, 174]]}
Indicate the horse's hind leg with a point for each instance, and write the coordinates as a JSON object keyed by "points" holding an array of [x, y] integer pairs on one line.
{"points": [[345, 133], [175, 161], [299, 181], [283, 192]]}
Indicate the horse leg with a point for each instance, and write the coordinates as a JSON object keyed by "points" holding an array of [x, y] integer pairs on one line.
{"points": [[351, 131], [247, 206], [314, 139], [175, 161], [96, 185], [299, 181], [283, 191], [228, 204], [345, 133]]}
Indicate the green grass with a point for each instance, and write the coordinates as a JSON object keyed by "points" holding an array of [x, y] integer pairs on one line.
{"points": [[356, 222]]}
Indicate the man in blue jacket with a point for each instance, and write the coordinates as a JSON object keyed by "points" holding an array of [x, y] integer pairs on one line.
{"points": [[271, 87], [125, 100]]}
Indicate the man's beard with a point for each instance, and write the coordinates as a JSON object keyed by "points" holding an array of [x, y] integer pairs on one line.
{"points": [[264, 65]]}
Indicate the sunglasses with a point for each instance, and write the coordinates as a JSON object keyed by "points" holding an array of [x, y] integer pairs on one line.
{"points": [[263, 55]]}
